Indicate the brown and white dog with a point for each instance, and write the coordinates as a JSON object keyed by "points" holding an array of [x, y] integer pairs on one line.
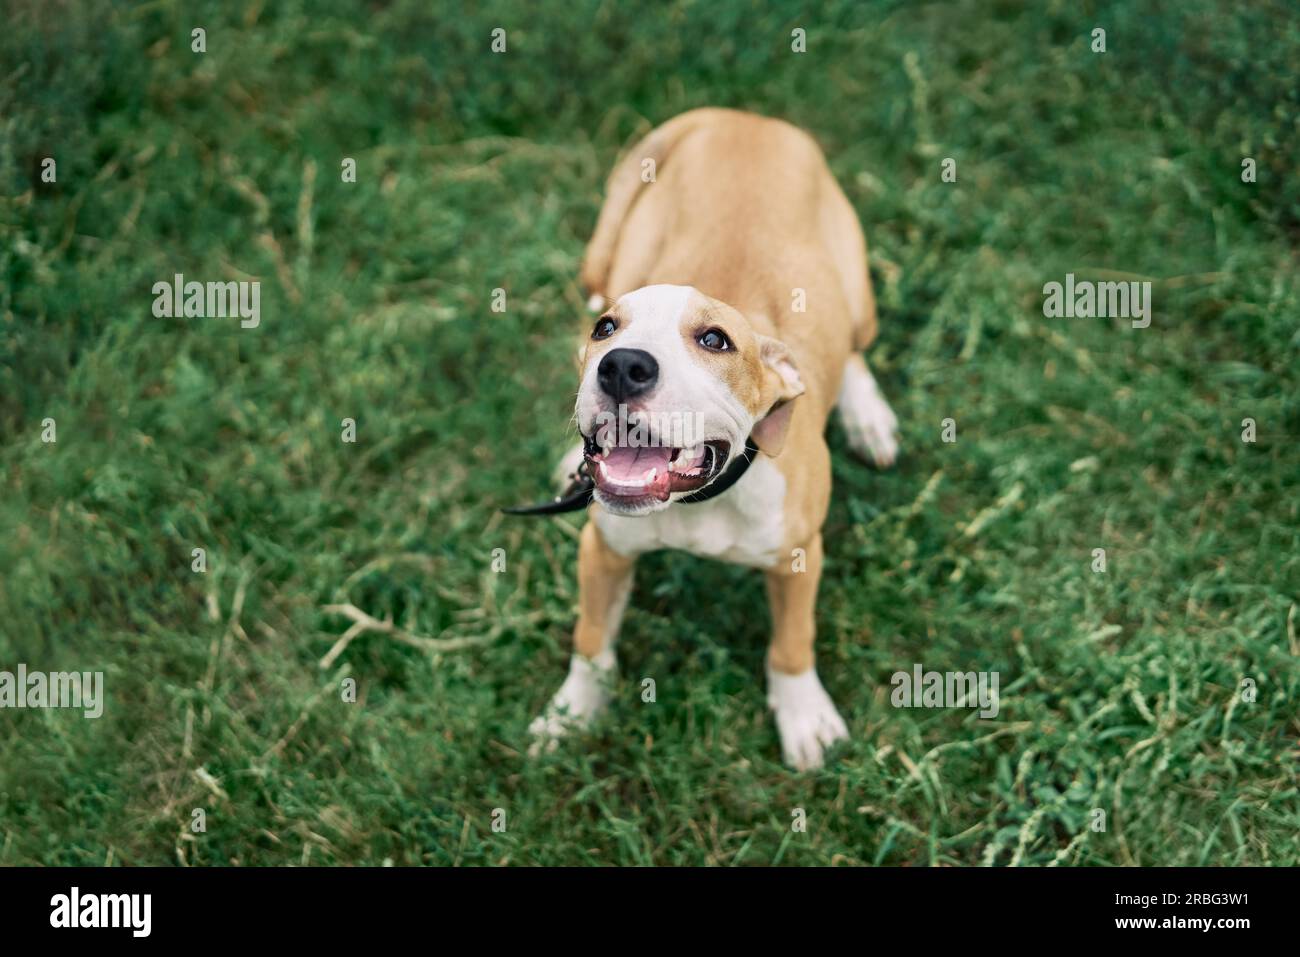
{"points": [[734, 273]]}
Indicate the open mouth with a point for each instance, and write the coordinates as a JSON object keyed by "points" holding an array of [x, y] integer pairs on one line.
{"points": [[631, 475]]}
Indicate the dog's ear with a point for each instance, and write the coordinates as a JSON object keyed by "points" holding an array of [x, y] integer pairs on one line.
{"points": [[781, 386]]}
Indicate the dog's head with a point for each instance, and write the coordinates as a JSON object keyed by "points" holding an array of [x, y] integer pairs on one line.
{"points": [[673, 383]]}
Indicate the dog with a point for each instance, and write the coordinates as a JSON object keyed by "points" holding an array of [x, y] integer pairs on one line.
{"points": [[730, 273]]}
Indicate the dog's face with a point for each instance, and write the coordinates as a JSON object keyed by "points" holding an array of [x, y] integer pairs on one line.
{"points": [[673, 383]]}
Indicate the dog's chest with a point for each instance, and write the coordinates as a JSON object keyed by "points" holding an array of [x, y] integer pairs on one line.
{"points": [[744, 526]]}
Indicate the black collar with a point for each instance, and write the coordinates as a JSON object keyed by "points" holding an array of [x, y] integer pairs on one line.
{"points": [[579, 493]]}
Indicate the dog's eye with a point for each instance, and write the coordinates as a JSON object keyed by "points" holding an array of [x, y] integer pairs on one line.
{"points": [[714, 340], [605, 327]]}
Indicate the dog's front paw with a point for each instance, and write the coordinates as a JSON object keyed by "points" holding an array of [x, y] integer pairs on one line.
{"points": [[806, 718], [582, 698]]}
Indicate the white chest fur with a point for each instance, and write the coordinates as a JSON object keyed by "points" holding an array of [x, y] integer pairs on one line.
{"points": [[744, 526]]}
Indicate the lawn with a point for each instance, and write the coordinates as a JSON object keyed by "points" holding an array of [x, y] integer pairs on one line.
{"points": [[1158, 697]]}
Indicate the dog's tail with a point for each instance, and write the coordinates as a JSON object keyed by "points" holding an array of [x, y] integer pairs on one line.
{"points": [[621, 193]]}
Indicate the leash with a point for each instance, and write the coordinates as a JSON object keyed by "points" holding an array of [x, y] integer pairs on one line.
{"points": [[579, 493]]}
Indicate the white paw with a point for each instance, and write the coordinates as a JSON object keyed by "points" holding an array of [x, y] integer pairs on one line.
{"points": [[870, 425], [806, 717], [582, 698]]}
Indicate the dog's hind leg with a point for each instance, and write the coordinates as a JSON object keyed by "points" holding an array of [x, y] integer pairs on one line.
{"points": [[869, 423]]}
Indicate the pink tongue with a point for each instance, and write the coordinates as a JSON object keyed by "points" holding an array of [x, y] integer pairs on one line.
{"points": [[629, 466]]}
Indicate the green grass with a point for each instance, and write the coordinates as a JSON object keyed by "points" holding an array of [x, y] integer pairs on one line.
{"points": [[1119, 691]]}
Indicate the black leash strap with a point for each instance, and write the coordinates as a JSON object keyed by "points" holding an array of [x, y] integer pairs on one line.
{"points": [[577, 496], [579, 493]]}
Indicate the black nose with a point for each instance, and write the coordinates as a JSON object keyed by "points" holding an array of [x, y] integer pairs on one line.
{"points": [[624, 373]]}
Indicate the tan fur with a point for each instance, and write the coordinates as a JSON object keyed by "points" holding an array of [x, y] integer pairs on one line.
{"points": [[604, 580], [745, 210], [791, 597]]}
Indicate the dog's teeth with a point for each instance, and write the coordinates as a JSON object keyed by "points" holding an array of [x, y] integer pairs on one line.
{"points": [[650, 476], [604, 472]]}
